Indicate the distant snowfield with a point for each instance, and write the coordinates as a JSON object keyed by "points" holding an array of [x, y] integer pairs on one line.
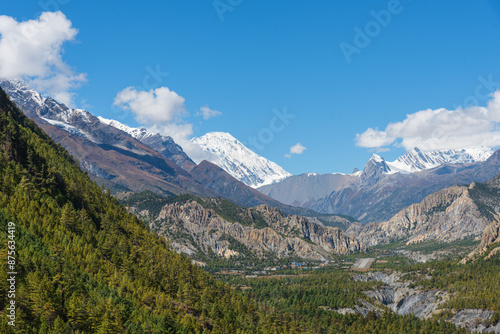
{"points": [[417, 160], [239, 161], [256, 171]]}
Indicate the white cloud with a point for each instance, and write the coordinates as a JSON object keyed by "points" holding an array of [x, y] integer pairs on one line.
{"points": [[373, 138], [161, 111], [160, 105], [181, 133], [32, 50], [288, 155], [296, 149], [440, 129], [207, 113]]}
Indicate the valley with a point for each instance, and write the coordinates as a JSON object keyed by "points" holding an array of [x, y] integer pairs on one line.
{"points": [[236, 167], [305, 269]]}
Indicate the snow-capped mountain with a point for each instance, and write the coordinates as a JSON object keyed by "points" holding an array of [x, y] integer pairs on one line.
{"points": [[417, 160], [239, 161], [23, 95], [118, 159], [46, 108], [375, 169], [164, 145]]}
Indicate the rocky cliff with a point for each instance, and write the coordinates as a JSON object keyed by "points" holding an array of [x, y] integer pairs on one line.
{"points": [[403, 300], [259, 231], [490, 241], [451, 214]]}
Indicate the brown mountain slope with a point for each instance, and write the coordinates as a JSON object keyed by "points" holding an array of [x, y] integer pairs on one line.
{"points": [[125, 161]]}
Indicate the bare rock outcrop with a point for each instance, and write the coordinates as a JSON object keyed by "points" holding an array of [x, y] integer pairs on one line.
{"points": [[475, 320], [451, 214], [200, 229], [489, 199]]}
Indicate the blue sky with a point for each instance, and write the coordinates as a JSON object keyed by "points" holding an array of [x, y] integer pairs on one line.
{"points": [[265, 57]]}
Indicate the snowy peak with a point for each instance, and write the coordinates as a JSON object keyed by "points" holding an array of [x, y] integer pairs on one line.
{"points": [[235, 158], [375, 168], [417, 160], [164, 145], [20, 88], [376, 158], [45, 107], [137, 133]]}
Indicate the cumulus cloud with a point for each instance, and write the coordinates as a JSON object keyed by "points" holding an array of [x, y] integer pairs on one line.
{"points": [[296, 149], [160, 105], [207, 113], [181, 132], [162, 110], [32, 50], [440, 129]]}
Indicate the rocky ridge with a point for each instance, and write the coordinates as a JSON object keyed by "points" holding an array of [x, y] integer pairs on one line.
{"points": [[258, 231], [164, 145], [447, 215]]}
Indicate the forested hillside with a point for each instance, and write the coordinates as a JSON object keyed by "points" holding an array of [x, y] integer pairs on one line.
{"points": [[84, 265]]}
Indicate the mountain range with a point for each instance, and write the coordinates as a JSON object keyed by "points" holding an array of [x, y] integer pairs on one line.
{"points": [[207, 228], [379, 191], [416, 160], [126, 159]]}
